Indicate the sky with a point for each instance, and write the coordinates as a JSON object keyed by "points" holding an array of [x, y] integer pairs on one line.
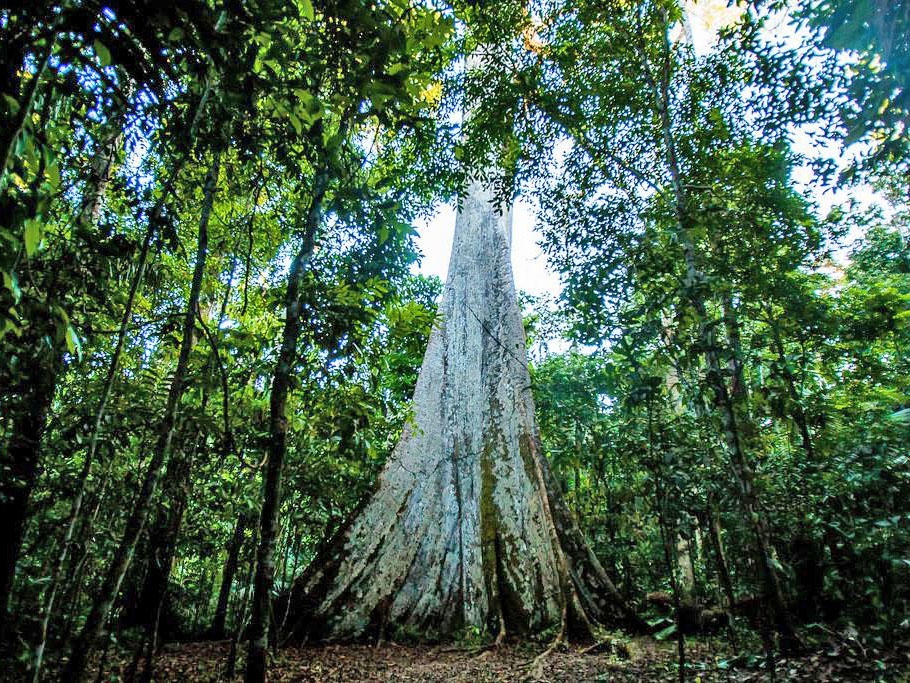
{"points": [[532, 275]]}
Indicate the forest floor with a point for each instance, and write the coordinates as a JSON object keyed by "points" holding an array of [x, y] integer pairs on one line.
{"points": [[641, 659]]}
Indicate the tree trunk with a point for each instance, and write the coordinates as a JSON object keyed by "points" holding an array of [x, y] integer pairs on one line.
{"points": [[136, 522], [240, 614], [712, 524], [20, 469], [19, 466], [231, 564], [10, 135], [468, 528], [738, 389], [686, 569], [162, 539], [278, 429], [797, 412]]}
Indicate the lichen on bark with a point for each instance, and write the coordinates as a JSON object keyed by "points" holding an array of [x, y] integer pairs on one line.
{"points": [[466, 529]]}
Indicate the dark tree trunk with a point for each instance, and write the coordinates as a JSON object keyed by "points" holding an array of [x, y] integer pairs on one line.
{"points": [[696, 286], [240, 615], [20, 471], [162, 543], [93, 200], [278, 429], [231, 564], [9, 136], [738, 389], [797, 412], [19, 467]]}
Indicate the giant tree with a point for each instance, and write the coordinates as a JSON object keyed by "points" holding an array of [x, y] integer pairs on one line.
{"points": [[474, 534]]}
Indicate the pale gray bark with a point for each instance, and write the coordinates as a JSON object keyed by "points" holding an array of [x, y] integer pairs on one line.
{"points": [[467, 529]]}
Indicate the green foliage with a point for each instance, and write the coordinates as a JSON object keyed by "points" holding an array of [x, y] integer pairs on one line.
{"points": [[677, 213], [666, 182]]}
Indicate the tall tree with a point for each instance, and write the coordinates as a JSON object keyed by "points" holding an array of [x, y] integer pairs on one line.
{"points": [[475, 533]]}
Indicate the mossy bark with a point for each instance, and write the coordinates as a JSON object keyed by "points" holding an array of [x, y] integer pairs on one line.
{"points": [[467, 531]]}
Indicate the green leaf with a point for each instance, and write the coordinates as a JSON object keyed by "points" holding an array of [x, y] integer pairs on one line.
{"points": [[665, 633], [34, 231], [12, 104], [53, 175], [11, 282], [8, 326], [295, 121], [306, 9], [104, 55], [73, 344]]}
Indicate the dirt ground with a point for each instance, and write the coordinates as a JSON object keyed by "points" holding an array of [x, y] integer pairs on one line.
{"points": [[631, 660]]}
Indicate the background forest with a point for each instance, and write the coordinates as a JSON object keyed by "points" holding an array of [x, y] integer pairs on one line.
{"points": [[211, 325]]}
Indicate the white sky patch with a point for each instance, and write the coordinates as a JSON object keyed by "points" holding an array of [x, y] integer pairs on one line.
{"points": [[532, 274]]}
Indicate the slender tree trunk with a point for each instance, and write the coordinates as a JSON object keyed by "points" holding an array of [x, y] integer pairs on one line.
{"points": [[30, 394], [686, 570], [738, 460], [665, 536], [18, 481], [91, 208], [97, 184], [738, 389], [287, 607], [20, 462], [9, 136], [666, 542], [797, 412], [241, 613], [278, 429], [231, 564], [73, 597], [163, 535], [162, 546], [712, 525], [208, 581], [104, 601], [151, 645]]}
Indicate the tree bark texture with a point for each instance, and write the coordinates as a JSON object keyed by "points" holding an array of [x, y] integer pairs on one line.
{"points": [[467, 530]]}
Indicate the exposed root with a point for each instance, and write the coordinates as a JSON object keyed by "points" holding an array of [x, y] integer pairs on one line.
{"points": [[536, 667], [611, 646], [482, 652]]}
